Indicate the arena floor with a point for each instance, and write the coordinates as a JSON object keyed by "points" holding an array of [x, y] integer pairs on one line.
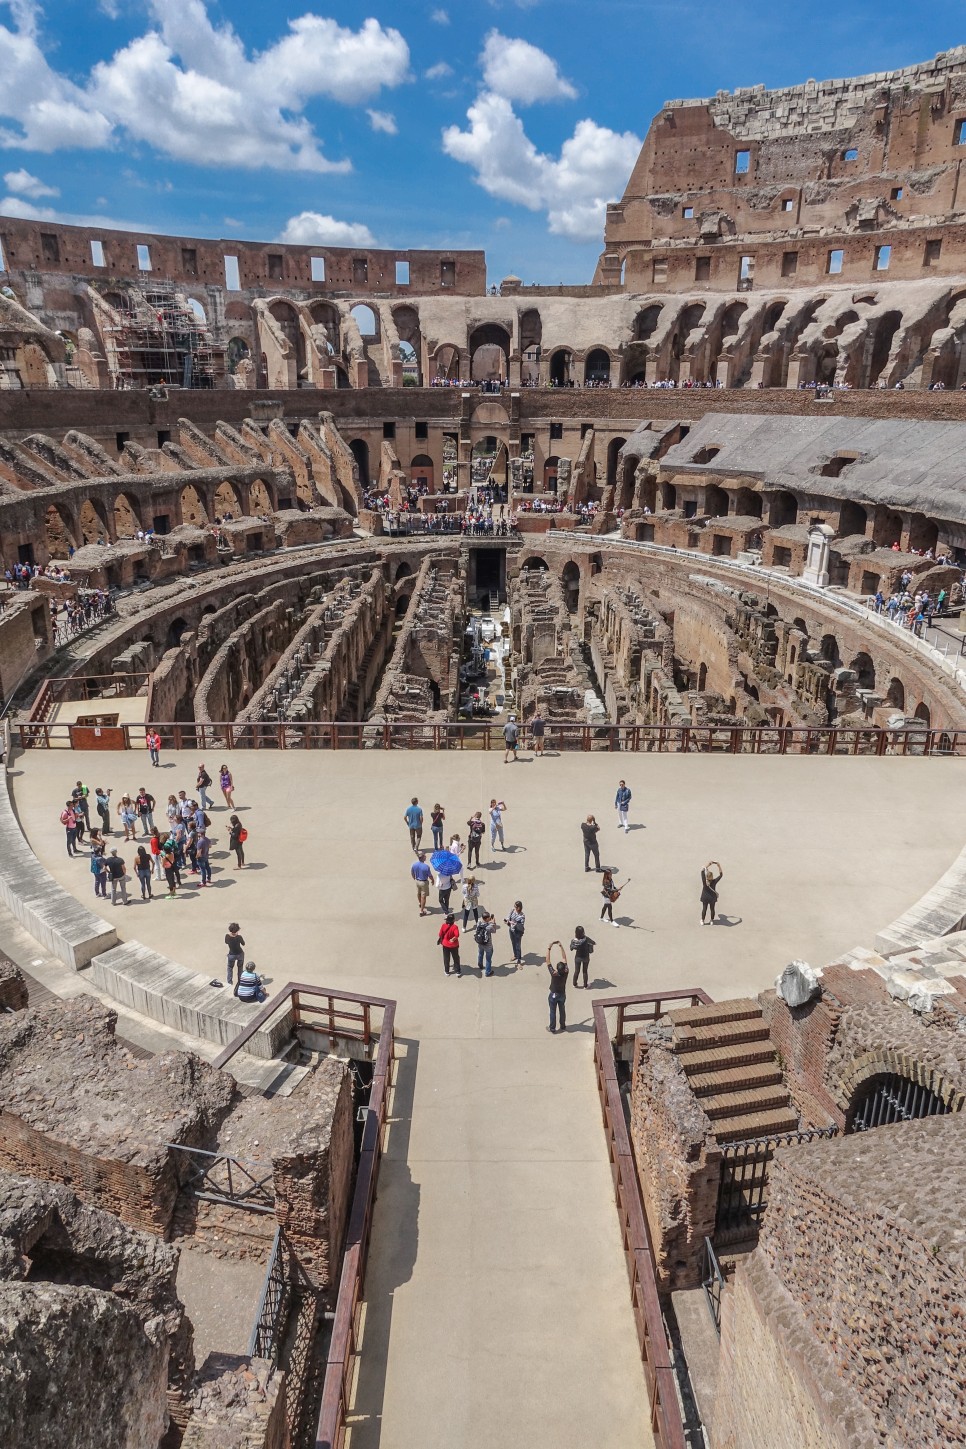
{"points": [[497, 1307]]}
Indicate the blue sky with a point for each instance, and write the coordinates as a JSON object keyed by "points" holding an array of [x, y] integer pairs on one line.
{"points": [[501, 124]]}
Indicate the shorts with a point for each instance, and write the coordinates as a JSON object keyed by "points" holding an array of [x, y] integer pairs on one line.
{"points": [[422, 890]]}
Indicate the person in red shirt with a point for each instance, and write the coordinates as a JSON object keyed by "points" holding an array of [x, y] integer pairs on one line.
{"points": [[449, 939]]}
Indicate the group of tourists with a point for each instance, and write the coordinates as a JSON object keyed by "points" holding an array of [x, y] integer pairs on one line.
{"points": [[86, 608]]}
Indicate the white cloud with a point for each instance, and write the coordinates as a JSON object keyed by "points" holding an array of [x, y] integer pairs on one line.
{"points": [[573, 189], [312, 227], [26, 185], [440, 17], [439, 71], [522, 72], [188, 88], [16, 206], [383, 121]]}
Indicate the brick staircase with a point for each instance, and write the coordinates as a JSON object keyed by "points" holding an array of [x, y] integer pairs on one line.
{"points": [[732, 1068]]}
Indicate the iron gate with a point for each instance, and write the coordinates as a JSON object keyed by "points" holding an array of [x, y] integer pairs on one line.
{"points": [[891, 1098], [743, 1183]]}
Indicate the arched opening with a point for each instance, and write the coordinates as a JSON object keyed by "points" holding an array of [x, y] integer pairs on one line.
{"points": [[864, 670], [702, 677], [896, 694], [830, 650], [260, 498], [686, 324], [613, 458], [406, 320], [887, 1098], [489, 353], [447, 363], [570, 578], [366, 321], [885, 332], [421, 471], [550, 474], [826, 364], [625, 494], [238, 351], [59, 535], [782, 510], [561, 367], [715, 501], [227, 503], [531, 347], [645, 323], [597, 368], [176, 632], [852, 519], [326, 327], [199, 312], [93, 527], [923, 715], [669, 496], [287, 320], [127, 516], [923, 534], [402, 572], [359, 449], [536, 563], [887, 528], [192, 508], [410, 364], [748, 503], [799, 624]]}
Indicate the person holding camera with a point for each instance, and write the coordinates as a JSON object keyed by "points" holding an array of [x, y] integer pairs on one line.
{"points": [[558, 972]]}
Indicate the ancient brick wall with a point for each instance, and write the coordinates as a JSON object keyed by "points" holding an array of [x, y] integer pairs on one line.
{"points": [[852, 1303], [25, 640], [13, 987]]}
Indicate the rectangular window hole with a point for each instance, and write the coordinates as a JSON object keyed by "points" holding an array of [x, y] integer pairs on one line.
{"points": [[850, 154], [742, 163], [144, 257], [97, 254], [360, 270], [189, 261], [896, 193], [836, 258], [959, 132], [317, 265], [422, 432], [3, 257], [883, 256], [232, 275], [402, 274], [659, 269], [389, 431], [789, 264], [447, 274], [556, 430], [932, 253], [788, 204], [702, 269], [688, 213], [275, 265], [120, 439], [49, 247]]}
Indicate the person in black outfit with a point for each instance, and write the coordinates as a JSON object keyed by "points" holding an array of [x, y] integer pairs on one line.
{"points": [[709, 890], [559, 972], [581, 945], [476, 829], [589, 829]]}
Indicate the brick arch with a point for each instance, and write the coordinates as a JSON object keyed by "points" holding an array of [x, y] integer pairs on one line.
{"points": [[887, 1062]]}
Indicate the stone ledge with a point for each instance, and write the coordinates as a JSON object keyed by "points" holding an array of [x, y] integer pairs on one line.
{"points": [[53, 917], [161, 989], [940, 912]]}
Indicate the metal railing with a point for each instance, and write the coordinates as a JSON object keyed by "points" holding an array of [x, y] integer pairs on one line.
{"points": [[565, 738], [344, 1017], [712, 1281], [84, 686], [743, 1181], [284, 1277], [632, 1011], [666, 1419], [226, 1179]]}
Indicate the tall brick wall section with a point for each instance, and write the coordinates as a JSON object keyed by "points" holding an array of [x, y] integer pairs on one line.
{"points": [[312, 1173], [852, 1305]]}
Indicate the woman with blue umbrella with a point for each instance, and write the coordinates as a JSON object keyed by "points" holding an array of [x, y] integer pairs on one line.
{"points": [[447, 867]]}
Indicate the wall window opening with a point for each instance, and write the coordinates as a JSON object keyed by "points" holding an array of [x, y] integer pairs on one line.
{"points": [[836, 259], [742, 163]]}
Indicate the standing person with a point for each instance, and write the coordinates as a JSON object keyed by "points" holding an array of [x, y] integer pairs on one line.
{"points": [[449, 939], [203, 857], [538, 730], [516, 923], [117, 875], [201, 785], [444, 884], [610, 893], [476, 830], [143, 869], [471, 900], [483, 936], [423, 876], [154, 747], [169, 864], [144, 803], [172, 810], [589, 829], [497, 808], [236, 840], [511, 739], [102, 802], [436, 819], [558, 972], [622, 801], [413, 816], [226, 785], [709, 891], [154, 845], [81, 806], [127, 815], [99, 872], [235, 942], [68, 819], [581, 945]]}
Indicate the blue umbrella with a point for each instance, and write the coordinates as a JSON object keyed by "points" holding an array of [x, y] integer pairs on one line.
{"points": [[444, 862]]}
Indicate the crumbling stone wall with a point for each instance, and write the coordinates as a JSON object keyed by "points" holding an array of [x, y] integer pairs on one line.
{"points": [[13, 987], [845, 1328], [237, 1403], [421, 683]]}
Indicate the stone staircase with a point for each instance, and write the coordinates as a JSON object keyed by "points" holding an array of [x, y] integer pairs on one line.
{"points": [[732, 1068]]}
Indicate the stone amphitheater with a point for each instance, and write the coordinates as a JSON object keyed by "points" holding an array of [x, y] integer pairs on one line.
{"points": [[333, 519]]}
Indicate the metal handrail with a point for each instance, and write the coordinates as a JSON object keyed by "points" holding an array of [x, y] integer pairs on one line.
{"points": [[244, 1188], [712, 1281]]}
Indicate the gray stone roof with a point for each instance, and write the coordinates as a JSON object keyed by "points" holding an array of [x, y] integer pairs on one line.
{"points": [[916, 466]]}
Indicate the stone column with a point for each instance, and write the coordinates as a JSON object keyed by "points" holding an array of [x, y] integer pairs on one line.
{"points": [[817, 557]]}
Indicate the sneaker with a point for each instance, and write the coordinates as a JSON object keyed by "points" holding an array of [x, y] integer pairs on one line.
{"points": [[617, 924]]}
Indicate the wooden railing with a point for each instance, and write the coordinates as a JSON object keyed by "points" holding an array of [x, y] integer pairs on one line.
{"points": [[344, 1016], [667, 1426], [84, 686], [563, 738]]}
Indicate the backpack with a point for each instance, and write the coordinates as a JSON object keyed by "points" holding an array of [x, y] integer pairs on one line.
{"points": [[243, 835], [481, 935]]}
